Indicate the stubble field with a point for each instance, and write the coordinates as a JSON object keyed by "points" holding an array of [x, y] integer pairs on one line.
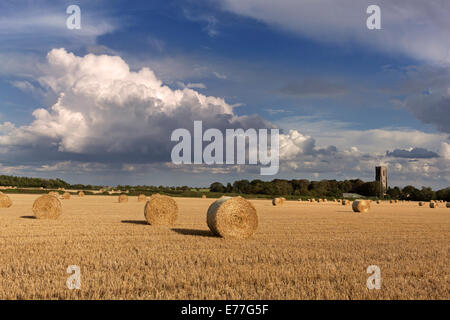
{"points": [[300, 251]]}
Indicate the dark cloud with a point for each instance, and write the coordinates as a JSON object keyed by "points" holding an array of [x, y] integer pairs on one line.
{"points": [[427, 94], [434, 110], [415, 153]]}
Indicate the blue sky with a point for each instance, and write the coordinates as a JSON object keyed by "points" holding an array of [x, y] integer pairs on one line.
{"points": [[313, 68]]}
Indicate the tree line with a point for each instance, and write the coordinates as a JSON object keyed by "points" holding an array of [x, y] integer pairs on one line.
{"points": [[328, 189], [276, 187], [28, 182]]}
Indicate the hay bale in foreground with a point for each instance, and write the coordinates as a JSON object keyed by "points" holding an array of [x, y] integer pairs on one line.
{"points": [[142, 198], [161, 210], [232, 218], [361, 206], [81, 194], [5, 201], [433, 205], [123, 198], [277, 201], [47, 207], [66, 195]]}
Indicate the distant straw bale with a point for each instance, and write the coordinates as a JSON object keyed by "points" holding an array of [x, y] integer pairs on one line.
{"points": [[361, 206], [277, 201]]}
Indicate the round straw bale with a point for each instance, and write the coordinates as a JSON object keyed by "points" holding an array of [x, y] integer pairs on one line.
{"points": [[66, 195], [5, 201], [161, 210], [378, 201], [232, 218], [448, 205], [313, 200], [433, 205], [47, 207], [361, 206], [142, 198], [325, 200], [203, 196], [420, 203], [81, 194], [123, 198], [346, 202], [276, 201]]}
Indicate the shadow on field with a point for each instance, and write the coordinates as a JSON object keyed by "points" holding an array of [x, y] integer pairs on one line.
{"points": [[28, 217], [135, 221], [194, 232]]}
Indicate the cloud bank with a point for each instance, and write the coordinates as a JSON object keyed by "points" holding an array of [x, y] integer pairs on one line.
{"points": [[109, 118]]}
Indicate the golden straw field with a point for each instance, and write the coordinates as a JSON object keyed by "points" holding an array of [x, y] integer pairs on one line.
{"points": [[300, 251]]}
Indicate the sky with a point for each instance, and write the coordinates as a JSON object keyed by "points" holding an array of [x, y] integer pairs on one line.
{"points": [[97, 105]]}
